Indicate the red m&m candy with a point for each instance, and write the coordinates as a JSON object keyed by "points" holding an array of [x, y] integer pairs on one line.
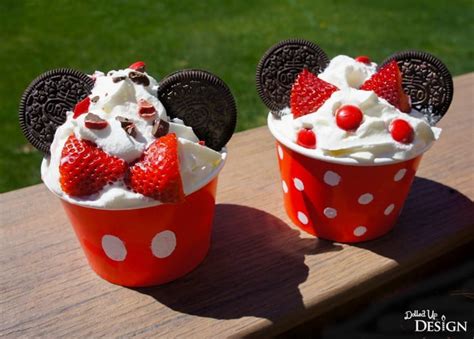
{"points": [[349, 117], [306, 138], [401, 131]]}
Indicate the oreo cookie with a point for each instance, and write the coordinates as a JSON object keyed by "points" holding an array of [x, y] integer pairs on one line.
{"points": [[279, 67], [45, 102], [427, 81], [203, 102]]}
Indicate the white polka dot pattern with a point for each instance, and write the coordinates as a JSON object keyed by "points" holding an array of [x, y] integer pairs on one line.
{"points": [[280, 152], [298, 184], [389, 209], [400, 174], [114, 248], [330, 212], [360, 231], [366, 198], [302, 218], [163, 244], [284, 186], [332, 178]]}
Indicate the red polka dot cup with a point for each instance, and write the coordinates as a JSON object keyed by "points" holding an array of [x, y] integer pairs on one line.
{"points": [[339, 201], [147, 246]]}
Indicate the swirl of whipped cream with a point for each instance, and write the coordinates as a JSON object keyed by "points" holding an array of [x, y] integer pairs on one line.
{"points": [[372, 141], [114, 95]]}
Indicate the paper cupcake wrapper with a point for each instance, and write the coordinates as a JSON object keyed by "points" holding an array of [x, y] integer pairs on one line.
{"points": [[342, 202], [147, 246]]}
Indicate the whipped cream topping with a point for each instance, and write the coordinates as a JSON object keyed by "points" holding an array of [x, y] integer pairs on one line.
{"points": [[109, 99], [371, 142]]}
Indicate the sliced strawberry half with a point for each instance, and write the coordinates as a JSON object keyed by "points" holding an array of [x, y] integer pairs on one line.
{"points": [[309, 93], [85, 168], [156, 174], [387, 84]]}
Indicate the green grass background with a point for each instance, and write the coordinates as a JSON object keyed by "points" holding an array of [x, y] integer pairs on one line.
{"points": [[224, 37]]}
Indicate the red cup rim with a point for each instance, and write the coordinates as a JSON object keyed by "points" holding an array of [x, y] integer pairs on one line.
{"points": [[344, 161], [211, 176]]}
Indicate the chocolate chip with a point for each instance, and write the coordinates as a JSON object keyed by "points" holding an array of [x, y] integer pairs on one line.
{"points": [[94, 99], [127, 125], [131, 130], [160, 128], [93, 121], [118, 79], [139, 78]]}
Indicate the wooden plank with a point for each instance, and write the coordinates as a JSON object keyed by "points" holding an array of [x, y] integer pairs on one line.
{"points": [[261, 276]]}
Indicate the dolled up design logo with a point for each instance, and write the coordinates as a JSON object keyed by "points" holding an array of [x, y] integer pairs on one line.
{"points": [[429, 321]]}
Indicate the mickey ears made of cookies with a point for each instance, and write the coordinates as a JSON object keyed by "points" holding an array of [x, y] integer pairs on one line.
{"points": [[425, 78], [199, 98]]}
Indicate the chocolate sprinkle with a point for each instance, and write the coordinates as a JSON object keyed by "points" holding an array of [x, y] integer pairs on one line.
{"points": [[93, 121], [160, 128], [46, 101], [279, 67], [127, 125], [95, 98], [118, 79], [139, 78]]}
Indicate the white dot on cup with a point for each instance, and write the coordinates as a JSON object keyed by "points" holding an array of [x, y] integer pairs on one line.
{"points": [[298, 184], [280, 152], [163, 244], [114, 248], [302, 218], [366, 198], [330, 212], [332, 178], [360, 231], [389, 209], [400, 174], [284, 186]]}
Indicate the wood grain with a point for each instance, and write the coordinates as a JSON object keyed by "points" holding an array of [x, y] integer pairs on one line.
{"points": [[261, 276]]}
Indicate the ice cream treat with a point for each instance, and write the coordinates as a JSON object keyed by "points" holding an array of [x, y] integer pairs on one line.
{"points": [[350, 134], [135, 163]]}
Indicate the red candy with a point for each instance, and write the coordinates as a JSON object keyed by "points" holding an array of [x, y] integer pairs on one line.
{"points": [[81, 107], [401, 131], [349, 117], [138, 66], [364, 59], [306, 138]]}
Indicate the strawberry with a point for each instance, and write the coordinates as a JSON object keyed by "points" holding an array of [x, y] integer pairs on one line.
{"points": [[156, 173], [387, 84], [81, 107], [85, 169], [309, 93]]}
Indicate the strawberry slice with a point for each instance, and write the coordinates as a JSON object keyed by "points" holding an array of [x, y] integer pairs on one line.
{"points": [[387, 84], [85, 169], [81, 107], [309, 93], [156, 174]]}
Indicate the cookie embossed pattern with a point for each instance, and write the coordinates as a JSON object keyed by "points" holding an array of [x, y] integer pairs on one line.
{"points": [[350, 132], [137, 176]]}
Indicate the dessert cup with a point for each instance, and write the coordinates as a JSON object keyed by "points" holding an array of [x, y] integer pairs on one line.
{"points": [[147, 246], [337, 200]]}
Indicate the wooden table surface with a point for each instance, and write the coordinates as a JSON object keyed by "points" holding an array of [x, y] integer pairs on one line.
{"points": [[260, 277]]}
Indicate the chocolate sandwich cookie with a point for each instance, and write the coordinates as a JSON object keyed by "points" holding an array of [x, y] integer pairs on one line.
{"points": [[279, 67], [203, 102], [45, 102], [427, 81]]}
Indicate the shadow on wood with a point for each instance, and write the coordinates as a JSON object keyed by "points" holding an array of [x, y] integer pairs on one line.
{"points": [[260, 283], [432, 210]]}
